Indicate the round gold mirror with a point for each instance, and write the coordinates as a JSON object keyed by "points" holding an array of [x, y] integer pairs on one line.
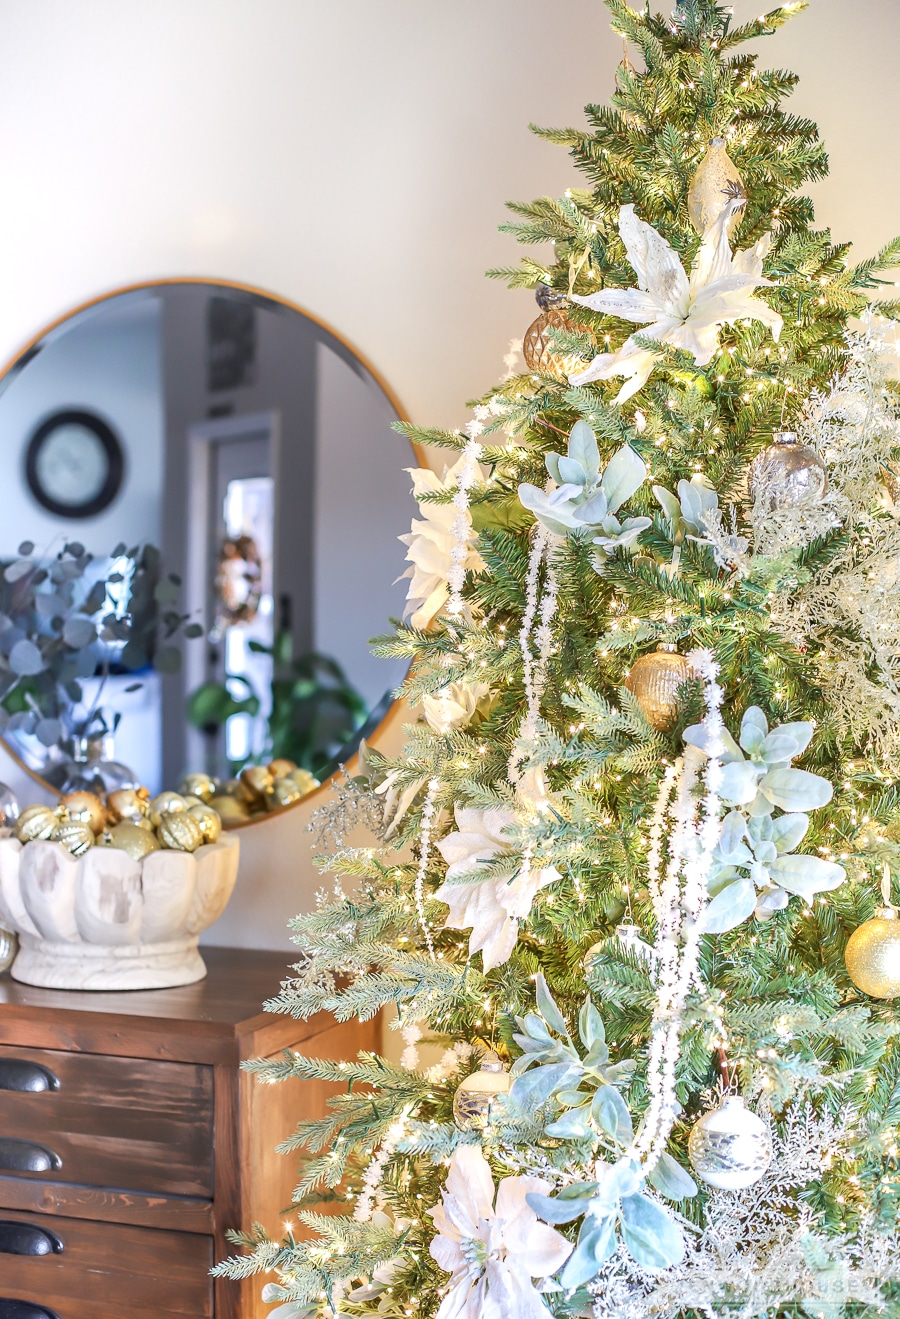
{"points": [[203, 498]]}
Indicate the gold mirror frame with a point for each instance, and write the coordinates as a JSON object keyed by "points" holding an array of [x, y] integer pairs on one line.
{"points": [[387, 390]]}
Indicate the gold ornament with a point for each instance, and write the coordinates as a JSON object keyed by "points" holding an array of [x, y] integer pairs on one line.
{"points": [[198, 785], [258, 781], [730, 1147], [872, 955], [715, 183], [539, 353], [36, 822], [786, 474], [478, 1097], [165, 803], [284, 793], [131, 838], [76, 836], [654, 680], [230, 810], [209, 822], [87, 807], [179, 831], [280, 769], [9, 946], [129, 804], [304, 780]]}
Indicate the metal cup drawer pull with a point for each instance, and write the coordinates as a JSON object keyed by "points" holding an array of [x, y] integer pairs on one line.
{"points": [[24, 1310], [26, 1156], [17, 1074], [26, 1239]]}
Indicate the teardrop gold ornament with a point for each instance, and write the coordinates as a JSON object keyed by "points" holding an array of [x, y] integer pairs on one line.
{"points": [[712, 186], [76, 836], [654, 681], [537, 349], [179, 831], [131, 838], [36, 822]]}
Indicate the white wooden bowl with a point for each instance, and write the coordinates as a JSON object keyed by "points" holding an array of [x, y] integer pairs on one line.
{"points": [[104, 921]]}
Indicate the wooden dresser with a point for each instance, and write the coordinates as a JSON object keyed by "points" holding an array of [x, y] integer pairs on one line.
{"points": [[130, 1142]]}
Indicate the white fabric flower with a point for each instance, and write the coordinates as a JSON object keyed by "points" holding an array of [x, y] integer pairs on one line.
{"points": [[493, 908], [430, 541], [454, 705], [492, 1251], [687, 313]]}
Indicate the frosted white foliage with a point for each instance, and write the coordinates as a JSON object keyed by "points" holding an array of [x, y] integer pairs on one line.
{"points": [[761, 1248]]}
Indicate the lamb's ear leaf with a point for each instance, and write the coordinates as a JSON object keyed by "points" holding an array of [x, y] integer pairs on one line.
{"points": [[625, 473], [668, 503], [671, 1180], [583, 449], [547, 1007], [590, 1024], [731, 906], [596, 1244], [653, 1238], [610, 1112]]}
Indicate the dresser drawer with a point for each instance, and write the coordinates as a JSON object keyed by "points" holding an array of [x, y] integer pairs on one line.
{"points": [[102, 1271], [129, 1123]]}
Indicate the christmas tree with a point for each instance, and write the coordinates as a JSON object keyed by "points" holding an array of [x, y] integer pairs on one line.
{"points": [[635, 870]]}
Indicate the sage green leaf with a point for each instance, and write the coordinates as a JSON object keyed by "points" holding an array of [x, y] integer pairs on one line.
{"points": [[730, 907], [625, 473], [547, 1007], [788, 831], [610, 1112], [652, 1237], [796, 789], [596, 1244], [806, 875], [590, 1024], [671, 1180], [583, 448]]}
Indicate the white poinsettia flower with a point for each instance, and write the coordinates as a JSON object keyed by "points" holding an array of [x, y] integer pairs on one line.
{"points": [[687, 313], [430, 543], [492, 909], [454, 705], [492, 1251]]}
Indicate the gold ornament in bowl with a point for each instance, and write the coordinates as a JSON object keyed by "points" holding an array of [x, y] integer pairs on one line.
{"points": [[258, 780], [282, 768], [87, 807], [284, 793], [179, 831], [165, 803], [36, 822], [654, 681], [230, 810], [872, 955], [304, 780], [198, 785], [132, 838], [716, 181], [129, 804], [76, 836], [787, 474], [208, 820]]}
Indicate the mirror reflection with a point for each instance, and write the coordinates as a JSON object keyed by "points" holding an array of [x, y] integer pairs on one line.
{"points": [[204, 495]]}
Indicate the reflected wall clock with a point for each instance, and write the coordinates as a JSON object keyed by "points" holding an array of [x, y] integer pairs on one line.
{"points": [[74, 464]]}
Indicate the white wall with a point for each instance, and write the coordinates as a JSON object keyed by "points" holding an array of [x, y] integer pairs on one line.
{"points": [[354, 156]]}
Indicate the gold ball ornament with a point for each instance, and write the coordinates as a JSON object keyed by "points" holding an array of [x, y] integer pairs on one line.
{"points": [[304, 780], [258, 781], [654, 681], [715, 182], [537, 349], [129, 804], [230, 810], [131, 838], [281, 768], [208, 820], [87, 807], [787, 474], [284, 793], [198, 785], [165, 803], [872, 955], [36, 822], [76, 836], [730, 1147], [478, 1097], [179, 831]]}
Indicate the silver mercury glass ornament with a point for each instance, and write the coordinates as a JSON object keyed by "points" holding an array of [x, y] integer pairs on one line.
{"points": [[730, 1147], [477, 1098], [9, 947], [787, 474]]}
